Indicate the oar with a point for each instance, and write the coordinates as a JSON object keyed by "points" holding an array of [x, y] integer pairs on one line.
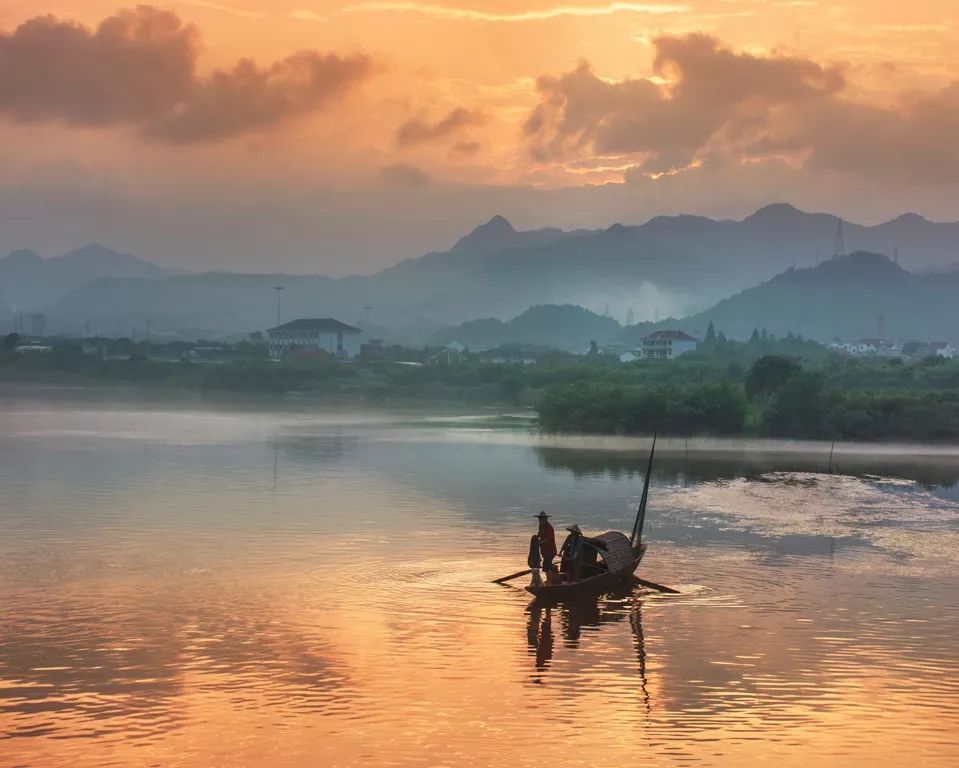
{"points": [[654, 585], [512, 576]]}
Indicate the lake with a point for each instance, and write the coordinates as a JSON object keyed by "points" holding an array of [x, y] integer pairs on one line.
{"points": [[198, 587]]}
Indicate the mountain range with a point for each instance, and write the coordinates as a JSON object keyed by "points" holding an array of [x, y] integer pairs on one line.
{"points": [[676, 266], [32, 284], [862, 295]]}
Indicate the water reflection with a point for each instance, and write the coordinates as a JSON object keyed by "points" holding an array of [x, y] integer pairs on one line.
{"points": [[212, 590], [697, 466]]}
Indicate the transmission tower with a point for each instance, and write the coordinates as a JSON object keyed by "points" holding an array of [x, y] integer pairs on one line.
{"points": [[840, 249]]}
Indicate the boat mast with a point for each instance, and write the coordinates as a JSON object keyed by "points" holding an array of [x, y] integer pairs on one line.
{"points": [[641, 512]]}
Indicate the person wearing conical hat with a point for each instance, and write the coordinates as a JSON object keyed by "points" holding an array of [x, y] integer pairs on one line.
{"points": [[571, 552], [547, 544]]}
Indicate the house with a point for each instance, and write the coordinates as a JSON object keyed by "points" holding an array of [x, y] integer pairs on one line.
{"points": [[449, 354], [667, 345], [317, 336], [943, 349]]}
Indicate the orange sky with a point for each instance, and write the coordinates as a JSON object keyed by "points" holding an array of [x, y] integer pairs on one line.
{"points": [[397, 125]]}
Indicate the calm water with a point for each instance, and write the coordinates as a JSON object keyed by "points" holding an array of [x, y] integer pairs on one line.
{"points": [[246, 589]]}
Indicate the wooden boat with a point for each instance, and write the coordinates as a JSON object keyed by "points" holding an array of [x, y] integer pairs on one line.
{"points": [[619, 556], [618, 560]]}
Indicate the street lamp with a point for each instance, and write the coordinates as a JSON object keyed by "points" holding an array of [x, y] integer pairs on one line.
{"points": [[278, 289]]}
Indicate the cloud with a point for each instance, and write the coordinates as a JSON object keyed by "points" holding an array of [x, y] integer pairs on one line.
{"points": [[403, 175], [703, 99], [545, 14], [248, 98], [138, 68], [466, 148], [418, 131], [708, 90], [243, 13]]}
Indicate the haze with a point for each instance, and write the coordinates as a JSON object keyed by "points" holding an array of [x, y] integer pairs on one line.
{"points": [[341, 137]]}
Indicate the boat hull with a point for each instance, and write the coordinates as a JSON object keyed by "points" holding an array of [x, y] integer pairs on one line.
{"points": [[594, 585]]}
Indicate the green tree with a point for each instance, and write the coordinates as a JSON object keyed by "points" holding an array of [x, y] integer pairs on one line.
{"points": [[768, 374], [710, 339], [800, 409], [11, 341]]}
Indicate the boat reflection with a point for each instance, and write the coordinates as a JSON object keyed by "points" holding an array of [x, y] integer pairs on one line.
{"points": [[572, 617]]}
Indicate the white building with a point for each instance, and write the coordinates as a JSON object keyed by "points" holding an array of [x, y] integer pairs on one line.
{"points": [[667, 345], [943, 349], [312, 337]]}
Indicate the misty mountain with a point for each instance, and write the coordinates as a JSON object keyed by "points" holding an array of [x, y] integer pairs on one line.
{"points": [[844, 298], [671, 265], [565, 327], [31, 283]]}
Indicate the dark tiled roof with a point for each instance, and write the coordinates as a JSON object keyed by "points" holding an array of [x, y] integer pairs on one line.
{"points": [[669, 336], [327, 324]]}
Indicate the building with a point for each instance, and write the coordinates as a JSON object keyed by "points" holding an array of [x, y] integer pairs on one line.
{"points": [[453, 353], [667, 345], [317, 336], [943, 349]]}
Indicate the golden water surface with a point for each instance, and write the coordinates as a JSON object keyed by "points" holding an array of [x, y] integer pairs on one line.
{"points": [[197, 588]]}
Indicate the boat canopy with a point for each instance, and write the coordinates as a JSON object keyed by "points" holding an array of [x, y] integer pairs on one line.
{"points": [[615, 549]]}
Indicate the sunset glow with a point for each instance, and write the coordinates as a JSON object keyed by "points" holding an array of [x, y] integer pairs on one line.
{"points": [[315, 117]]}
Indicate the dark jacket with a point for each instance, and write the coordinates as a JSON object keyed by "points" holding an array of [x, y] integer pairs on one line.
{"points": [[534, 560], [572, 547]]}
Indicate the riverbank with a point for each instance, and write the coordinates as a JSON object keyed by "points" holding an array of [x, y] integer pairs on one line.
{"points": [[776, 397]]}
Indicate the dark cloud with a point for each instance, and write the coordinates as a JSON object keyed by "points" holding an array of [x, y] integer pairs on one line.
{"points": [[712, 91], [403, 175], [139, 67], [418, 131], [248, 98], [718, 101]]}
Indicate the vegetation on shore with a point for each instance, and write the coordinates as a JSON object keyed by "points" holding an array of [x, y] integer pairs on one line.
{"points": [[784, 388]]}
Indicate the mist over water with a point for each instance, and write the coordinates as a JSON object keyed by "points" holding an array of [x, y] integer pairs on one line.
{"points": [[197, 588]]}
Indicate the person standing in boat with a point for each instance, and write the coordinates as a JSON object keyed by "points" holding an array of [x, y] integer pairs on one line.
{"points": [[547, 544], [571, 552], [534, 560]]}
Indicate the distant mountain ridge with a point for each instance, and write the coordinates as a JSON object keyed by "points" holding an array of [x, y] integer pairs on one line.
{"points": [[498, 233], [849, 297], [31, 283], [671, 265]]}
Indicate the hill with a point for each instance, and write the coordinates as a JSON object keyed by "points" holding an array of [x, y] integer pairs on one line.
{"points": [[564, 327], [844, 298], [31, 283], [677, 265]]}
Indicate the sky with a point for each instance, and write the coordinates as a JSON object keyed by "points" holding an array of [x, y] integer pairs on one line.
{"points": [[340, 137]]}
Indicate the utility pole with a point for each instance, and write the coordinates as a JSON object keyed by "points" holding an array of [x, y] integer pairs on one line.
{"points": [[278, 289], [148, 331], [366, 315]]}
